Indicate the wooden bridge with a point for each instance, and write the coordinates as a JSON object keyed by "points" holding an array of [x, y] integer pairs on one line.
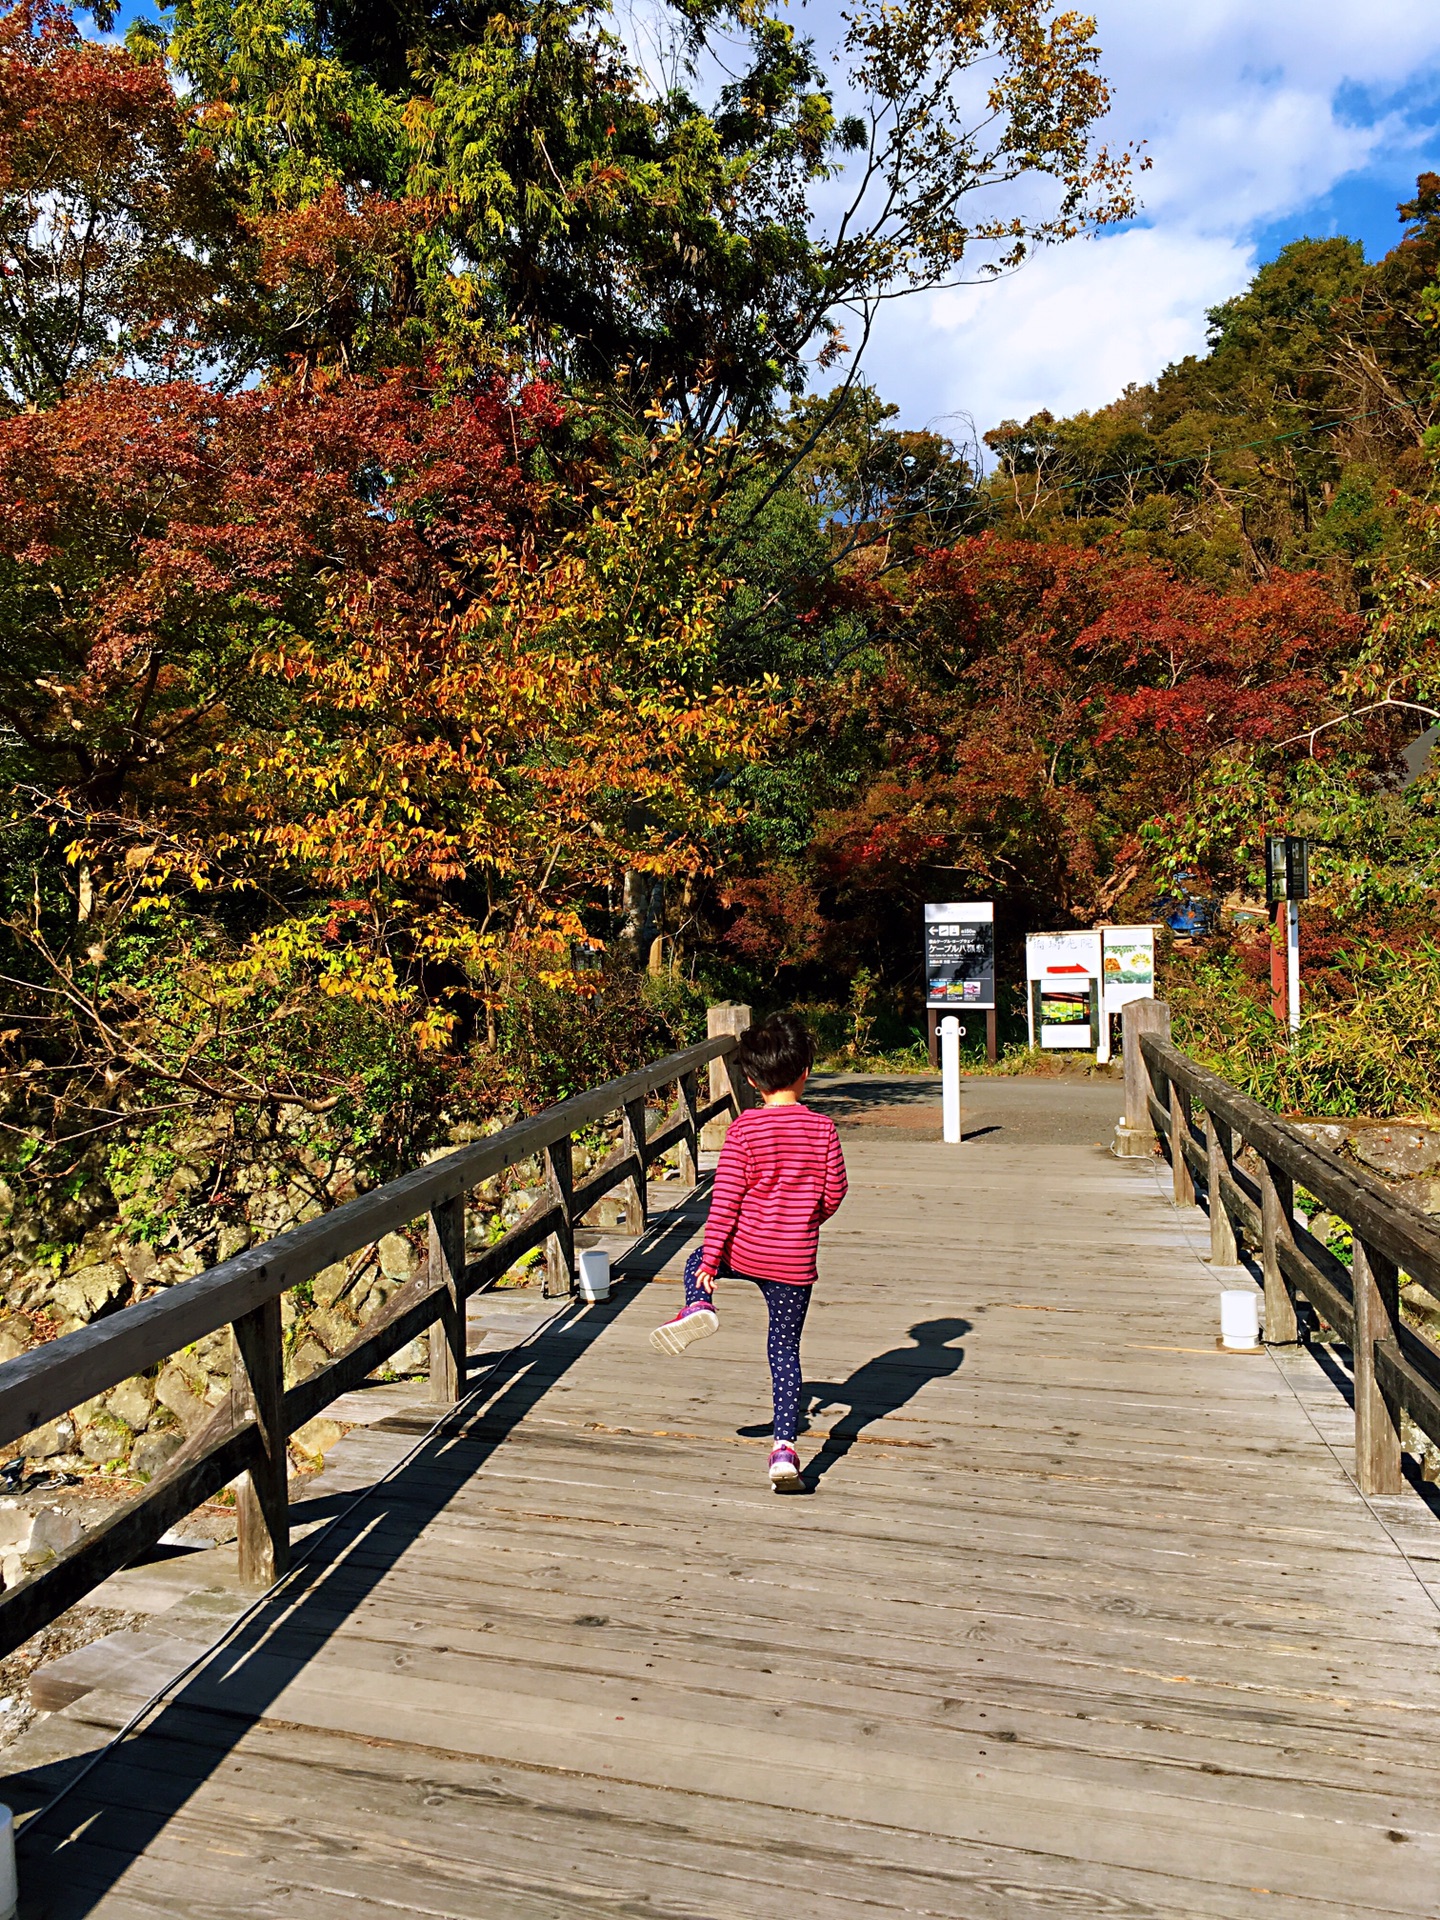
{"points": [[1079, 1615]]}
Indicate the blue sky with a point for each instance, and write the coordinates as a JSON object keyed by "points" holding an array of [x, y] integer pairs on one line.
{"points": [[1266, 120]]}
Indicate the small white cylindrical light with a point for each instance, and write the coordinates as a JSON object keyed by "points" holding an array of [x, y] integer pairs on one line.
{"points": [[950, 1077], [594, 1282], [1239, 1318], [9, 1892]]}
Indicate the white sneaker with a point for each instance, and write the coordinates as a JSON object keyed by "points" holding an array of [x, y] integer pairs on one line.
{"points": [[784, 1467], [689, 1325]]}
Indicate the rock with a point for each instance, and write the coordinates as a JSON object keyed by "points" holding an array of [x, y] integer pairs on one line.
{"points": [[333, 1327], [140, 1263], [46, 1442], [398, 1258], [15, 1336], [328, 1285], [230, 1241], [182, 1180], [133, 1401], [1419, 1298], [412, 1358], [54, 1530], [109, 1439], [373, 1301], [317, 1437], [1397, 1153], [183, 1394], [152, 1453], [7, 1202], [1322, 1225], [35, 1533], [308, 1358], [86, 1290], [1423, 1193], [1324, 1133], [174, 1267], [16, 1521]]}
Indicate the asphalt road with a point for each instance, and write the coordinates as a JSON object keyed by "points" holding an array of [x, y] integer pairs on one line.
{"points": [[1026, 1110]]}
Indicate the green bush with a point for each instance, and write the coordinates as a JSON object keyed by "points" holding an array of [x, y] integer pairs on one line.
{"points": [[1369, 1044]]}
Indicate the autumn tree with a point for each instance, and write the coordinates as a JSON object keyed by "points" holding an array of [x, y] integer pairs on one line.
{"points": [[576, 203], [110, 223]]}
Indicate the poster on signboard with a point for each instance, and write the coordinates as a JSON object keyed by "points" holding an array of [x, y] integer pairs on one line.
{"points": [[960, 956], [1063, 972], [1129, 965]]}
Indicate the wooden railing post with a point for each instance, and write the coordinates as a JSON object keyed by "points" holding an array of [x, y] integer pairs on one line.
{"points": [[1223, 1250], [726, 1079], [690, 1139], [560, 1247], [1137, 1017], [447, 1332], [1182, 1184], [262, 1500], [1377, 1425], [1277, 1210], [632, 1139]]}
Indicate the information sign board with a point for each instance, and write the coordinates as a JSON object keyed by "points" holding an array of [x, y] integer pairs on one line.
{"points": [[1064, 973], [1129, 962], [960, 956]]}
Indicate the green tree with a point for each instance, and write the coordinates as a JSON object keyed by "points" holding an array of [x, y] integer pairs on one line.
{"points": [[571, 204]]}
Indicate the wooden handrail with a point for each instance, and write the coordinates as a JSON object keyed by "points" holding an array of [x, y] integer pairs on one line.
{"points": [[247, 1435], [1396, 1369]]}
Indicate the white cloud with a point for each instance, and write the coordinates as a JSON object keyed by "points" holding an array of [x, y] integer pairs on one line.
{"points": [[1251, 113], [1068, 332]]}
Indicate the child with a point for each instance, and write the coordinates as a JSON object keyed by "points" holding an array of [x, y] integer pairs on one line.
{"points": [[781, 1176]]}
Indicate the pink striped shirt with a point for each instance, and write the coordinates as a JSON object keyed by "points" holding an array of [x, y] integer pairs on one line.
{"points": [[781, 1176]]}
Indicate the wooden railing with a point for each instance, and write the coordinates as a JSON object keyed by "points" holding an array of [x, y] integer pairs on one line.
{"points": [[245, 1441], [1396, 1370]]}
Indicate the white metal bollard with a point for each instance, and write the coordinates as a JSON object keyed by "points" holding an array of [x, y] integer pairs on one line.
{"points": [[1292, 962], [594, 1282], [950, 1078], [1239, 1319], [9, 1893]]}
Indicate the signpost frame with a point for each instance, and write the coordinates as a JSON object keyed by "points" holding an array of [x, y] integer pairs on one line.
{"points": [[960, 969]]}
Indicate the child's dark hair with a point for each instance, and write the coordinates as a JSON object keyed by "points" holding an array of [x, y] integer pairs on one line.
{"points": [[775, 1054]]}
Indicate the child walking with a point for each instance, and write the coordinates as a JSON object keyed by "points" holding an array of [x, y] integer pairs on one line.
{"points": [[781, 1176]]}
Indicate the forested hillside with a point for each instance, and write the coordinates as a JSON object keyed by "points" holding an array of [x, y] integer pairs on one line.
{"points": [[461, 601]]}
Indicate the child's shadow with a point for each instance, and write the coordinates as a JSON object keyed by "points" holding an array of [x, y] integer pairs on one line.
{"points": [[880, 1387]]}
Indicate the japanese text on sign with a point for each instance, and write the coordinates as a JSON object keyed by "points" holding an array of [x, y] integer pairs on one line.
{"points": [[960, 956]]}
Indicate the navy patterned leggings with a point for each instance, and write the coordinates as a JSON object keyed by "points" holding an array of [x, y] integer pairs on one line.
{"points": [[787, 1306]]}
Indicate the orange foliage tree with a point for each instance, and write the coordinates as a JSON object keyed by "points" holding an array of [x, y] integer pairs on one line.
{"points": [[1027, 711], [387, 683]]}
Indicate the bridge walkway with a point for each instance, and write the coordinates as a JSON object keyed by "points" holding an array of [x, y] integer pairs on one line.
{"points": [[1081, 1616]]}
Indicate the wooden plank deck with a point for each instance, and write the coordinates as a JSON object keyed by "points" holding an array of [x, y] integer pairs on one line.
{"points": [[1081, 1616]]}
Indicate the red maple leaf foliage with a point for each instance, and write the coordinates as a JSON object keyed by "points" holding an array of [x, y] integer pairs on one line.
{"points": [[110, 218], [155, 538], [1035, 706]]}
